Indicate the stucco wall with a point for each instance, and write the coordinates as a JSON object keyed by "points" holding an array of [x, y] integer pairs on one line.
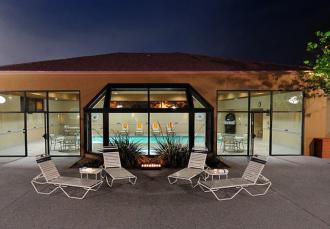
{"points": [[206, 83]]}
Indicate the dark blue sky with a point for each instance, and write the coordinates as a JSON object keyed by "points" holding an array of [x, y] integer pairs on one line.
{"points": [[269, 31]]}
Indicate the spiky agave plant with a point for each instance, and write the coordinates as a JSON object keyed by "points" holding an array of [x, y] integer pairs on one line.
{"points": [[172, 150], [128, 150]]}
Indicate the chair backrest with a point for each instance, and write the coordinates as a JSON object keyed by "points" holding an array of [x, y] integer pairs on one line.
{"points": [[254, 168], [125, 126], [170, 125], [48, 168], [111, 160], [155, 126], [139, 125], [197, 160]]}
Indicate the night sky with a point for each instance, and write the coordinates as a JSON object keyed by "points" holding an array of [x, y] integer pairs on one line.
{"points": [[268, 31]]}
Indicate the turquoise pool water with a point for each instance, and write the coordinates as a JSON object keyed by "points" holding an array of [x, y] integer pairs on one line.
{"points": [[199, 140]]}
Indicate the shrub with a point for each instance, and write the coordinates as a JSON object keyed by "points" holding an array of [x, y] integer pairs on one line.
{"points": [[128, 151], [172, 151]]}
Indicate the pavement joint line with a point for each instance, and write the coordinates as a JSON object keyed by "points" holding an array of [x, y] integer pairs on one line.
{"points": [[300, 207], [283, 159]]}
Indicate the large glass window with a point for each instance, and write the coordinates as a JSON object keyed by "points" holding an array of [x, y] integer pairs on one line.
{"points": [[39, 122], [64, 123], [287, 123], [168, 125], [97, 130], [125, 98], [149, 114], [172, 99], [245, 119], [12, 134], [131, 125]]}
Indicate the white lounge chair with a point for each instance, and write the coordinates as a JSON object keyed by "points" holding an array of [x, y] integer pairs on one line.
{"points": [[251, 177], [112, 166], [50, 176], [195, 167]]}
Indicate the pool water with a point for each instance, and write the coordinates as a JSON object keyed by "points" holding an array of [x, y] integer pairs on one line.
{"points": [[199, 140]]}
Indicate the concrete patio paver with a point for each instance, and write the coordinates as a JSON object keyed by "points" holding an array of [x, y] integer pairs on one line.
{"points": [[299, 198]]}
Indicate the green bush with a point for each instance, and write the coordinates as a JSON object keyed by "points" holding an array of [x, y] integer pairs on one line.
{"points": [[128, 151], [172, 151]]}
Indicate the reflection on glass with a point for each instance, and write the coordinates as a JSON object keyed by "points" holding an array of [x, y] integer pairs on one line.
{"points": [[287, 101], [200, 130], [63, 101], [232, 133], [12, 102], [169, 99], [100, 103], [129, 98], [97, 131], [12, 141], [260, 101], [64, 133], [233, 100], [196, 103], [286, 133]]}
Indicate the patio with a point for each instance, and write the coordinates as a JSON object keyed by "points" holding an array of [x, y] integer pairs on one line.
{"points": [[299, 198]]}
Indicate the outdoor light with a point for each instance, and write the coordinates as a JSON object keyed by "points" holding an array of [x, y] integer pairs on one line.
{"points": [[2, 99], [294, 100]]}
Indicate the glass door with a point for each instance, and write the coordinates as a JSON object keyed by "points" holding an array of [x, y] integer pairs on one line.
{"points": [[259, 133], [36, 120]]}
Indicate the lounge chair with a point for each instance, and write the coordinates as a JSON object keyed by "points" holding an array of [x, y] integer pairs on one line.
{"points": [[195, 167], [112, 167], [170, 129], [124, 129], [139, 128], [251, 178], [155, 128], [50, 176]]}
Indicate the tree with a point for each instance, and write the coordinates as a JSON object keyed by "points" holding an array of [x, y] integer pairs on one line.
{"points": [[319, 78]]}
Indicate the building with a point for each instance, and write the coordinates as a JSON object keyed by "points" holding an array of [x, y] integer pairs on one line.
{"points": [[72, 106]]}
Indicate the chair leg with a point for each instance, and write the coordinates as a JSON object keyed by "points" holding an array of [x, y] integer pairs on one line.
{"points": [[40, 192], [134, 180], [206, 189], [111, 181], [172, 182], [228, 198], [268, 184], [75, 197]]}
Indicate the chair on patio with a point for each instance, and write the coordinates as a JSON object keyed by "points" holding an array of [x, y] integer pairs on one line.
{"points": [[251, 178], [112, 167], [195, 167], [50, 176]]}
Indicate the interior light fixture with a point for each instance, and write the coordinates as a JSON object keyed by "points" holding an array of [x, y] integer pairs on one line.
{"points": [[293, 100], [2, 99]]}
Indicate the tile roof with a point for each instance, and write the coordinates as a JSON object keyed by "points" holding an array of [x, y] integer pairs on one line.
{"points": [[147, 62]]}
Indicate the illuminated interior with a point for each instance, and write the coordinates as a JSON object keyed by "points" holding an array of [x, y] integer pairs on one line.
{"points": [[147, 114]]}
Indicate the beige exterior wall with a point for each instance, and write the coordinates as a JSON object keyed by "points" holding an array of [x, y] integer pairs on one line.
{"points": [[206, 83]]}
